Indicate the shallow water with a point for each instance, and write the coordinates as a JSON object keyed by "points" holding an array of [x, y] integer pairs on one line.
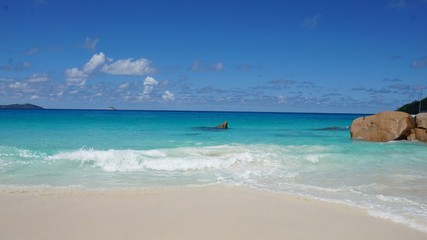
{"points": [[309, 155]]}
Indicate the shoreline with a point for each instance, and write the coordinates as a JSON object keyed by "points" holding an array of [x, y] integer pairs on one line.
{"points": [[205, 212]]}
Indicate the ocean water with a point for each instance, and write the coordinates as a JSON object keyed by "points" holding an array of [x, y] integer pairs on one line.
{"points": [[309, 155]]}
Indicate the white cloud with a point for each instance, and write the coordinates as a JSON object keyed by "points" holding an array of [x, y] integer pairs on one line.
{"points": [[38, 77], [150, 81], [200, 66], [312, 22], [244, 66], [96, 61], [196, 66], [90, 44], [123, 86], [419, 63], [17, 85], [33, 51], [218, 66], [129, 66], [149, 84], [168, 96], [76, 77], [6, 79], [281, 99], [20, 66], [281, 83], [25, 65], [34, 97]]}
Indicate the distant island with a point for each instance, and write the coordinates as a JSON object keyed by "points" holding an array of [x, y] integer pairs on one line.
{"points": [[413, 107], [26, 106]]}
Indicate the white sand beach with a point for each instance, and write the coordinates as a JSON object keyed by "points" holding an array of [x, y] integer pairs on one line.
{"points": [[214, 212]]}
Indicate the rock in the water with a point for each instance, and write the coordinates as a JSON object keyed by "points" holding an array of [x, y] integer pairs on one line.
{"points": [[412, 136], [383, 127], [333, 128], [421, 120], [223, 125], [421, 134]]}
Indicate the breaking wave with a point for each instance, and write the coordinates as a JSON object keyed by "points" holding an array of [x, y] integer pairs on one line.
{"points": [[326, 173], [176, 159]]}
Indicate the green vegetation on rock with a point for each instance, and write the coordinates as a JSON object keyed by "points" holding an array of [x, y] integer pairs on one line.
{"points": [[413, 107]]}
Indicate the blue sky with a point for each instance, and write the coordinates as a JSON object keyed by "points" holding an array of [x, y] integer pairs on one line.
{"points": [[288, 56]]}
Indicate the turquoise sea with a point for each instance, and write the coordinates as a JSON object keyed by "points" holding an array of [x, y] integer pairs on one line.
{"points": [[303, 154]]}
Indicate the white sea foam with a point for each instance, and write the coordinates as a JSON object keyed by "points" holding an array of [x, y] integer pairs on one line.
{"points": [[109, 160], [308, 170], [177, 159], [399, 219], [18, 153], [314, 158], [392, 199], [195, 158], [24, 153], [154, 153], [401, 210]]}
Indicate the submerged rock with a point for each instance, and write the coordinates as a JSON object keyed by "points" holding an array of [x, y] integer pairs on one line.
{"points": [[220, 127], [207, 129], [223, 125], [383, 127], [333, 128]]}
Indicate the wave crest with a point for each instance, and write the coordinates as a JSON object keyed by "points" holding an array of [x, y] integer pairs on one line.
{"points": [[176, 159]]}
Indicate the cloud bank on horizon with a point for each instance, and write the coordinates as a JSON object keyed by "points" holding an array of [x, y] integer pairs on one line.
{"points": [[249, 56]]}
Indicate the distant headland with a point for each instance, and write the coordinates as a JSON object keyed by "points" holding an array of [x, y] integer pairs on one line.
{"points": [[26, 106]]}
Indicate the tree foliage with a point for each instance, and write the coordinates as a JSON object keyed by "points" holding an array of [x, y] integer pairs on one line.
{"points": [[413, 107]]}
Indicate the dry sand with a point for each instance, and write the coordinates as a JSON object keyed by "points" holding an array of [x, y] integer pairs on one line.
{"points": [[216, 212]]}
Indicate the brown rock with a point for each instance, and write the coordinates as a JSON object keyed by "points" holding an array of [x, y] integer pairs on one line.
{"points": [[421, 134], [421, 120], [412, 136], [223, 125], [383, 127]]}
